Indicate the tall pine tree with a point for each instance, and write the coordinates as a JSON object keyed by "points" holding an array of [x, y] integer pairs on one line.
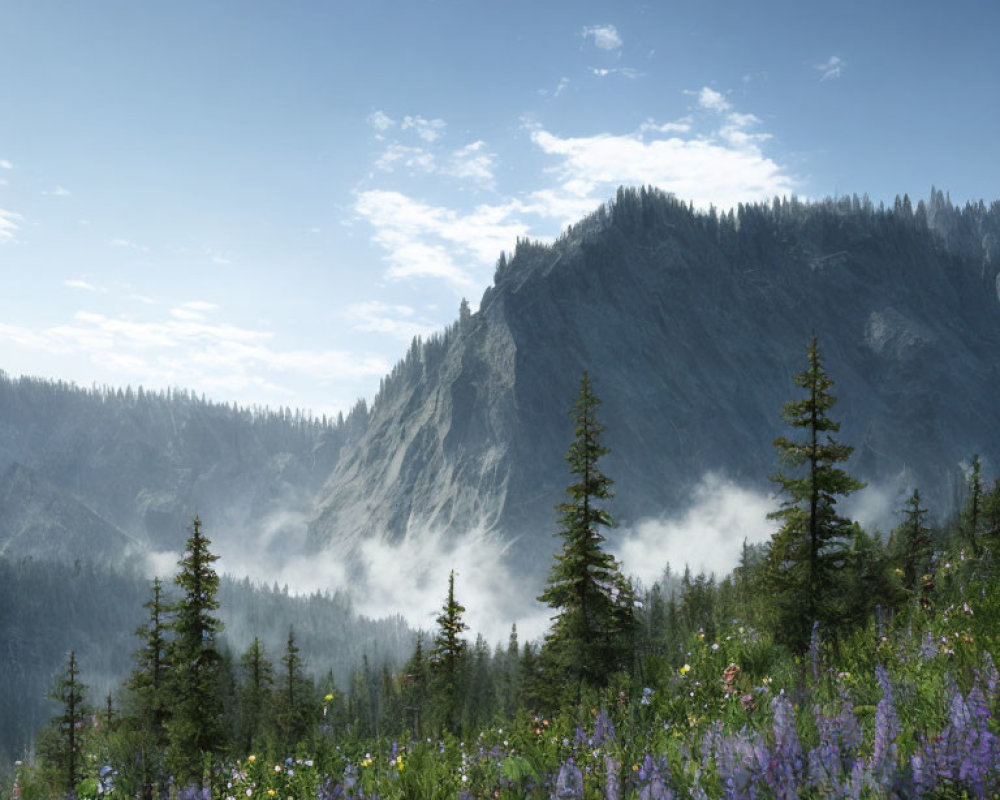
{"points": [[591, 636], [195, 728], [448, 659], [61, 746], [809, 553]]}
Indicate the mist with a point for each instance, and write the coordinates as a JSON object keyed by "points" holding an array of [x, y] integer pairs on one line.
{"points": [[409, 577], [707, 535]]}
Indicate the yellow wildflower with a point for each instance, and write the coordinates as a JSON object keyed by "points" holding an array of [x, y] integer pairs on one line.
{"points": [[685, 669]]}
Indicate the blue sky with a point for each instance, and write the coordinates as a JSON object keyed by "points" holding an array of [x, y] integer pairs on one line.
{"points": [[266, 201]]}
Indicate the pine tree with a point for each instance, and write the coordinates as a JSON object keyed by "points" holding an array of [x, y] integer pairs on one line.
{"points": [[148, 681], [62, 745], [447, 659], [972, 513], [295, 702], [254, 696], [195, 727], [911, 544], [591, 633], [810, 551]]}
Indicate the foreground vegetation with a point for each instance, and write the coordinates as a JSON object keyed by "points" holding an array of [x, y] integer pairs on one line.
{"points": [[829, 664]]}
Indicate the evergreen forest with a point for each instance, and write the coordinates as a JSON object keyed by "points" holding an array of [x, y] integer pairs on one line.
{"points": [[833, 662]]}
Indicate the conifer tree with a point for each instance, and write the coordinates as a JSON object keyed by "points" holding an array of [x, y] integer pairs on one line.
{"points": [[254, 696], [295, 702], [810, 551], [911, 544], [972, 513], [62, 745], [591, 634], [195, 729], [447, 659], [415, 690], [148, 680]]}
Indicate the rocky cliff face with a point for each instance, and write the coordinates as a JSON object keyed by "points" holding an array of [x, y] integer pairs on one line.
{"points": [[691, 327]]}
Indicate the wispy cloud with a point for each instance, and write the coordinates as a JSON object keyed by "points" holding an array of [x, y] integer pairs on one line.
{"points": [[380, 122], [605, 37], [58, 191], [190, 348], [127, 244], [423, 240], [712, 100], [831, 68], [399, 321], [429, 130], [722, 167], [79, 283], [707, 535], [625, 72], [712, 156], [5, 164], [8, 225]]}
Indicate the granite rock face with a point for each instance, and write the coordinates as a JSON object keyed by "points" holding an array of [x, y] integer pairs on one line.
{"points": [[691, 327]]}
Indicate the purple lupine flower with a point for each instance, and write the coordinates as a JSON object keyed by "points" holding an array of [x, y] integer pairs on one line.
{"points": [[569, 783], [612, 786], [604, 729], [654, 778], [784, 771], [928, 648], [991, 675], [741, 762], [884, 754], [814, 650]]}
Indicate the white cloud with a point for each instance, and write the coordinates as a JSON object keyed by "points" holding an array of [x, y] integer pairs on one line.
{"points": [[5, 164], [472, 162], [222, 259], [427, 129], [422, 240], [381, 122], [126, 244], [831, 69], [399, 321], [712, 156], [415, 159], [77, 283], [712, 100], [8, 225], [189, 349], [722, 170], [605, 37], [625, 72], [707, 536], [58, 191]]}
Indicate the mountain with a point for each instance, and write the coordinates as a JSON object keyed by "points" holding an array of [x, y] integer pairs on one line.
{"points": [[138, 465], [37, 515], [692, 326]]}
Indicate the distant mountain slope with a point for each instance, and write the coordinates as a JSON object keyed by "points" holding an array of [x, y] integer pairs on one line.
{"points": [[692, 326], [144, 464], [38, 518]]}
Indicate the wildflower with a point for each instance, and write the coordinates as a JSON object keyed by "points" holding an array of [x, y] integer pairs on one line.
{"points": [[685, 669], [251, 758], [569, 783], [729, 676]]}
